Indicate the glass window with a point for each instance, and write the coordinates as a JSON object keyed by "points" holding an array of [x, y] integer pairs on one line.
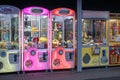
{"points": [[35, 31], [9, 31], [93, 31], [62, 31], [114, 30]]}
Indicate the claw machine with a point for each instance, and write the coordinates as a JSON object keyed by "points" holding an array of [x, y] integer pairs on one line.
{"points": [[114, 42], [9, 39], [62, 38], [95, 50], [35, 38]]}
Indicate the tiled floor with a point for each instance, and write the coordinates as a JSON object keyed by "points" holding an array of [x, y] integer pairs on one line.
{"points": [[87, 74]]}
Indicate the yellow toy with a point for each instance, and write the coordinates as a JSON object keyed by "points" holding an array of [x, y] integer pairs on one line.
{"points": [[3, 44], [43, 40], [55, 42]]}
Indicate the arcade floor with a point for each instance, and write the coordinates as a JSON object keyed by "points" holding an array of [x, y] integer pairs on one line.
{"points": [[110, 73]]}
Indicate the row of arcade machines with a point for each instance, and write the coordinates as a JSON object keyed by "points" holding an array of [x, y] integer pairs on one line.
{"points": [[35, 39]]}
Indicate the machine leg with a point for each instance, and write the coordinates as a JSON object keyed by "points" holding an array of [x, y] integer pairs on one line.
{"points": [[23, 72], [46, 70], [18, 72], [51, 70]]}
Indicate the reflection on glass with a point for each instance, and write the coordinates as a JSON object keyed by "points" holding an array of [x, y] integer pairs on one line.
{"points": [[62, 31], [9, 25], [35, 31]]}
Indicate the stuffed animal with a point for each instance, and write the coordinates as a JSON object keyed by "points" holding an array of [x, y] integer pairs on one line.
{"points": [[55, 43], [59, 35], [30, 44], [3, 44], [14, 45], [42, 42], [43, 39], [25, 46]]}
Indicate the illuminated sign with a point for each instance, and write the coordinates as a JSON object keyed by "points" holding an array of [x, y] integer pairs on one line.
{"points": [[36, 10], [64, 11], [6, 10]]}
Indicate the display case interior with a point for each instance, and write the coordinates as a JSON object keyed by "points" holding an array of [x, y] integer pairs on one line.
{"points": [[62, 30], [35, 31], [9, 31], [94, 31]]}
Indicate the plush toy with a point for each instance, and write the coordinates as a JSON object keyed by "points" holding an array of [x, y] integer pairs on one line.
{"points": [[70, 35], [25, 46], [3, 44], [35, 39], [42, 42], [69, 44], [14, 45], [55, 27], [29, 38], [43, 39], [34, 29], [59, 35], [55, 43], [30, 44], [25, 39], [59, 26]]}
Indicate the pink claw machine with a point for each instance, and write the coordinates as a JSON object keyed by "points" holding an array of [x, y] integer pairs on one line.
{"points": [[62, 38], [35, 39]]}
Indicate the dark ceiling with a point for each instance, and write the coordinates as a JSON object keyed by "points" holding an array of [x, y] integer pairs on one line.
{"points": [[108, 5]]}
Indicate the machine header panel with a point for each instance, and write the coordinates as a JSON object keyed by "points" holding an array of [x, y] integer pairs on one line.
{"points": [[63, 12], [95, 14], [34, 10], [8, 9]]}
